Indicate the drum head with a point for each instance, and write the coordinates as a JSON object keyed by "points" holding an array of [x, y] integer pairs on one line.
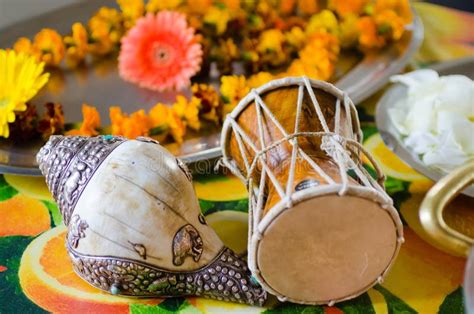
{"points": [[327, 248]]}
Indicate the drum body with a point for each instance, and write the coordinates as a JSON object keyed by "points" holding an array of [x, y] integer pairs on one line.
{"points": [[322, 230]]}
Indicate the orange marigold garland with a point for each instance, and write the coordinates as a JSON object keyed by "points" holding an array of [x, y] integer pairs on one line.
{"points": [[162, 49]]}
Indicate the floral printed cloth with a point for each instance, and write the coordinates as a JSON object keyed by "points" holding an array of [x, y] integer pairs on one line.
{"points": [[36, 275]]}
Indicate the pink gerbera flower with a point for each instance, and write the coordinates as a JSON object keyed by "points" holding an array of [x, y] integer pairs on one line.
{"points": [[160, 52]]}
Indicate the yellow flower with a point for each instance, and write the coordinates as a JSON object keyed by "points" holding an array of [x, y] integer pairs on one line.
{"points": [[259, 79], [76, 45], [49, 47], [317, 60], [271, 40], [106, 30], [233, 89], [344, 7], [295, 37], [323, 21], [218, 18], [209, 99], [137, 124], [24, 45], [369, 37], [90, 123], [21, 77], [131, 11], [197, 6], [348, 32], [158, 5], [164, 117], [188, 110]]}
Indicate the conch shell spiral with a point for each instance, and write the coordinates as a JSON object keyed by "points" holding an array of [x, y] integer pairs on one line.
{"points": [[134, 223]]}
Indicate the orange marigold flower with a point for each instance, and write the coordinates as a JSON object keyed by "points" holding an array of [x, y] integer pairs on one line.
{"points": [[49, 47], [198, 6], [188, 111], [400, 7], [369, 37], [287, 6], [389, 24], [344, 7], [131, 11], [137, 124], [159, 5], [106, 30], [308, 7], [24, 45], [90, 123], [76, 45], [166, 118]]}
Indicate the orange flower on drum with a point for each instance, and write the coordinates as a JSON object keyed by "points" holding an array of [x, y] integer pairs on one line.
{"points": [[90, 123], [160, 52]]}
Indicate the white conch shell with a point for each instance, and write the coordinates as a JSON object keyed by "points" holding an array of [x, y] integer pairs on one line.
{"points": [[134, 222]]}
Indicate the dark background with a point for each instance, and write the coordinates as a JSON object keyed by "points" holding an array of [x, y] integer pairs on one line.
{"points": [[465, 5]]}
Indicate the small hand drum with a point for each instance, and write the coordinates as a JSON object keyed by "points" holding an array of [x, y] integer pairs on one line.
{"points": [[322, 230]]}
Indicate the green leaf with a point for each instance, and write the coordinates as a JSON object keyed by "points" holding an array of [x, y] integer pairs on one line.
{"points": [[453, 303], [395, 305], [292, 308], [360, 305], [368, 130], [55, 213], [209, 207], [6, 191], [168, 306], [11, 250]]}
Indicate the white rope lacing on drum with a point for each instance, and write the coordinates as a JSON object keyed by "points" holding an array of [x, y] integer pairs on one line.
{"points": [[346, 152]]}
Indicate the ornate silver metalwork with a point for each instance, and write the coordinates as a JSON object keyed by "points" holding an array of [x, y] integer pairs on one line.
{"points": [[68, 163], [76, 231], [223, 279], [186, 242]]}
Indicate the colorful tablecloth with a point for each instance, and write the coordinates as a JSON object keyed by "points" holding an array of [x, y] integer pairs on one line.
{"points": [[36, 275]]}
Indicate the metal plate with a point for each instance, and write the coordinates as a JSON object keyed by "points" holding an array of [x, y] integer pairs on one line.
{"points": [[392, 137], [100, 85]]}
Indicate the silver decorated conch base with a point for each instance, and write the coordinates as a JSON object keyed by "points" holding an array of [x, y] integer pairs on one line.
{"points": [[200, 265]]}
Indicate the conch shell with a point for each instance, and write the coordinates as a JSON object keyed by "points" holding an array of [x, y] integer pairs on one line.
{"points": [[134, 223]]}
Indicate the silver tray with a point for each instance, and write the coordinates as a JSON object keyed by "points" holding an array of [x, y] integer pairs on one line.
{"points": [[100, 85], [392, 137]]}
